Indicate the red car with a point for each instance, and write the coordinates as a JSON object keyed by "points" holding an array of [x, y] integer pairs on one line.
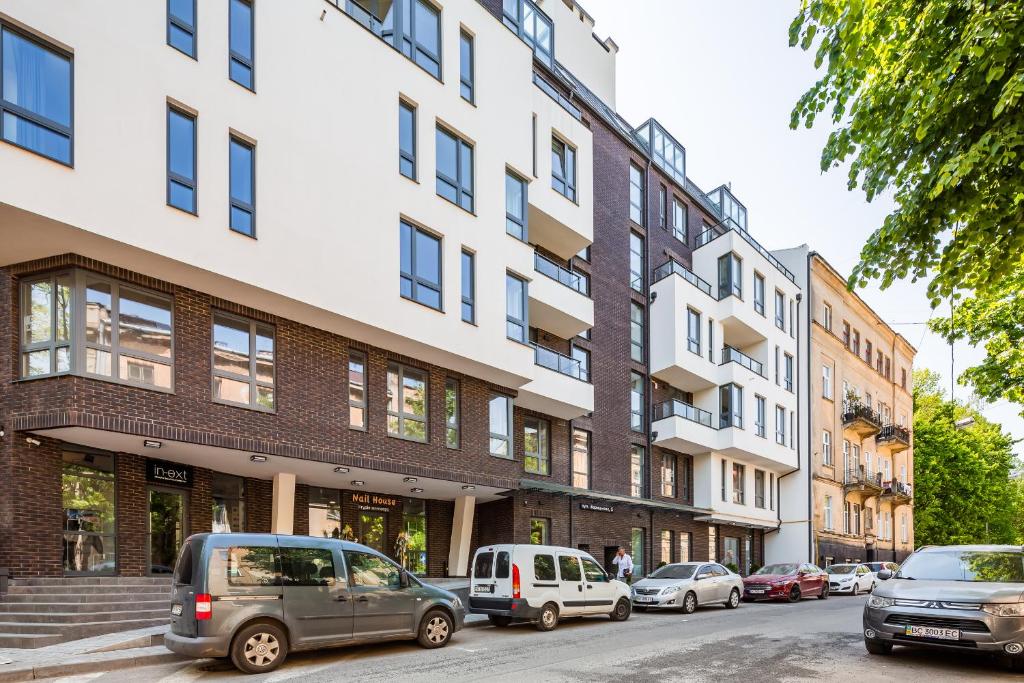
{"points": [[790, 581]]}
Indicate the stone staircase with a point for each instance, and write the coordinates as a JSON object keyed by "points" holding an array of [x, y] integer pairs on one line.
{"points": [[38, 612]]}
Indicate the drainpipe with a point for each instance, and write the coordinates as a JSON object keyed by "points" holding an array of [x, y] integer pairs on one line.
{"points": [[810, 492]]}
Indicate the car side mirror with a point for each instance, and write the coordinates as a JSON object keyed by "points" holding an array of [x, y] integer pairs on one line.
{"points": [[884, 574]]}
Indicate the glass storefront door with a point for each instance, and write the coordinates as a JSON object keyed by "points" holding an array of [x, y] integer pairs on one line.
{"points": [[87, 493], [732, 552], [373, 528], [228, 503], [167, 525], [414, 524]]}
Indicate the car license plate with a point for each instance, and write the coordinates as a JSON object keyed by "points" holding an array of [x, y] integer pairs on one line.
{"points": [[933, 632], [644, 598], [755, 590], [483, 589], [176, 610]]}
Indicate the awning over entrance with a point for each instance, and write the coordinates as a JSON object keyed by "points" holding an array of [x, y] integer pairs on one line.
{"points": [[548, 487], [737, 520]]}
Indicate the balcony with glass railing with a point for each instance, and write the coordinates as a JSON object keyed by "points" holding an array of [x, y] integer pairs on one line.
{"points": [[559, 387], [673, 267], [558, 299], [731, 355], [727, 226], [558, 273]]}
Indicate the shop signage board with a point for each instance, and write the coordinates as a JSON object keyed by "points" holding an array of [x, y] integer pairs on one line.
{"points": [[375, 502], [163, 472]]}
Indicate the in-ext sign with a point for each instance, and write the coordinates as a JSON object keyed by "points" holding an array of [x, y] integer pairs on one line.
{"points": [[163, 472]]}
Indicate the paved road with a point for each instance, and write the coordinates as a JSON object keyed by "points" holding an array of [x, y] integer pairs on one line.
{"points": [[813, 640]]}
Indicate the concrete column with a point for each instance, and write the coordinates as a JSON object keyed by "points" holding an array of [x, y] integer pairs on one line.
{"points": [[282, 513], [462, 532]]}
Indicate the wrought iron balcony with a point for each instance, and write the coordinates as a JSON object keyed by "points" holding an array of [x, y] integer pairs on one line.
{"points": [[559, 362], [542, 264], [731, 355], [894, 437], [675, 408], [858, 479], [674, 267], [900, 491], [861, 419]]}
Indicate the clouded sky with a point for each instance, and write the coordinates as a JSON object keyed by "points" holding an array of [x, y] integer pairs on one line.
{"points": [[720, 76]]}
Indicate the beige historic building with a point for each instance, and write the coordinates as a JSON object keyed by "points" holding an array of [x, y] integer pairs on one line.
{"points": [[861, 413]]}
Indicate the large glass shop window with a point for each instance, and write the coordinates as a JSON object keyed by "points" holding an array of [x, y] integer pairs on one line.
{"points": [[228, 504], [87, 493], [412, 550], [325, 513]]}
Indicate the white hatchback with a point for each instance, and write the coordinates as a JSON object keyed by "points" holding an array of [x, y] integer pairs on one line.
{"points": [[850, 578], [542, 583]]}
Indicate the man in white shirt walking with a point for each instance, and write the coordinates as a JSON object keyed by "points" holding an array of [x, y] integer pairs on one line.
{"points": [[625, 566]]}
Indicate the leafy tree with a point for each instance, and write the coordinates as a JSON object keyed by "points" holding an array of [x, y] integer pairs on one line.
{"points": [[962, 487], [926, 100]]}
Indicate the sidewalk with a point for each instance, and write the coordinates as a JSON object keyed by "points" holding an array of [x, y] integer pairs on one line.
{"points": [[109, 652]]}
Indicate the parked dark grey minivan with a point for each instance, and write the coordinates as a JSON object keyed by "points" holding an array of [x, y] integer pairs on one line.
{"points": [[256, 597]]}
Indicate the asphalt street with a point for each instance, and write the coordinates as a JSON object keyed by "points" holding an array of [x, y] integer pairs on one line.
{"points": [[813, 640]]}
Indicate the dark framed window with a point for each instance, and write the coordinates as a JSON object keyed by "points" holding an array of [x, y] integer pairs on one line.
{"points": [[420, 277], [693, 331], [759, 485], [636, 401], [731, 396], [407, 139], [516, 326], [243, 186], [47, 331], [356, 390], [452, 409], [730, 276], [668, 475], [636, 332], [536, 446], [636, 194], [407, 402], [413, 27], [499, 415], [788, 371], [636, 262], [540, 533], [181, 159], [182, 25], [515, 206], [533, 26], [637, 454], [241, 44], [563, 168], [780, 310], [580, 459], [780, 425], [468, 287], [760, 416], [454, 169], [36, 102], [680, 224], [243, 361], [739, 484], [759, 293], [466, 66], [663, 206]]}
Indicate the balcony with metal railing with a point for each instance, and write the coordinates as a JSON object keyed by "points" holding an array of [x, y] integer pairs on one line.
{"points": [[673, 267], [893, 437], [558, 301], [559, 387], [857, 480], [731, 355], [861, 419], [729, 225], [897, 492]]}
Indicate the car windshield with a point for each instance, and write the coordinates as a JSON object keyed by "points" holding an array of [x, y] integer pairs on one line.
{"points": [[841, 569], [1003, 566], [777, 569], [674, 571]]}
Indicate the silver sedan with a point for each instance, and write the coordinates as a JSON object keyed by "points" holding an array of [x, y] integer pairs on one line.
{"points": [[685, 585]]}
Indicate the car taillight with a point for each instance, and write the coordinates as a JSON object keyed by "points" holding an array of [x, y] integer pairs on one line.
{"points": [[515, 581], [204, 606]]}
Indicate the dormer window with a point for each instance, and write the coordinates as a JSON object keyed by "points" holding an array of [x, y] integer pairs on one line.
{"points": [[532, 26]]}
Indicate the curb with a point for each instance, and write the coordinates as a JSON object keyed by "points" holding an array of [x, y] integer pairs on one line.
{"points": [[30, 673]]}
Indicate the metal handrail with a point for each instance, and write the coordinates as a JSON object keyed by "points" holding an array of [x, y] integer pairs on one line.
{"points": [[859, 475], [559, 362], [852, 411], [892, 431], [542, 264], [676, 408], [731, 355], [672, 266], [729, 224]]}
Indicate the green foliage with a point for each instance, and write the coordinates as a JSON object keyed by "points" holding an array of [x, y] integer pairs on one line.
{"points": [[962, 487], [996, 320], [926, 101]]}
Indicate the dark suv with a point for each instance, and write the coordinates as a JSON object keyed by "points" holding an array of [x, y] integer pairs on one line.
{"points": [[255, 597]]}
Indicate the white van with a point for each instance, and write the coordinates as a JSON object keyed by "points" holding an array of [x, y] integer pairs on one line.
{"points": [[542, 583]]}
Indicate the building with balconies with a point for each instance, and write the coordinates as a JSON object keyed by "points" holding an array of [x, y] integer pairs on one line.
{"points": [[861, 413]]}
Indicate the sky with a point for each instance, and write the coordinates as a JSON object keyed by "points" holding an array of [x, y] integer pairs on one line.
{"points": [[721, 77]]}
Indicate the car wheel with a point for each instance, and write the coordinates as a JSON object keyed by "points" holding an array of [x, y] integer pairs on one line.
{"points": [[639, 608], [734, 599], [823, 595], [499, 620], [548, 617], [876, 648], [435, 629], [689, 603], [622, 609], [856, 590], [259, 648], [794, 594]]}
